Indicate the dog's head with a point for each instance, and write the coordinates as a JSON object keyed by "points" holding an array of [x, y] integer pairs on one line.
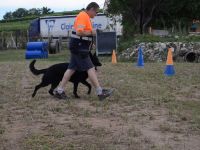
{"points": [[95, 60]]}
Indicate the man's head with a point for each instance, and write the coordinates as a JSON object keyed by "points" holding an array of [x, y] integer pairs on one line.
{"points": [[92, 9]]}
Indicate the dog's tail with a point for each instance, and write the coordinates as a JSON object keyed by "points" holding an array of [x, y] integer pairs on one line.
{"points": [[34, 70]]}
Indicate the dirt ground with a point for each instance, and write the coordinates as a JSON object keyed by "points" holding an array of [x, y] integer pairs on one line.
{"points": [[148, 111]]}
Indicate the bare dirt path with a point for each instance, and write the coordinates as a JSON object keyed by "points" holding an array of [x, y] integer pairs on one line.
{"points": [[146, 112]]}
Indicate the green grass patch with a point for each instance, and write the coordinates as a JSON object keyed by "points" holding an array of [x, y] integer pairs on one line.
{"points": [[12, 55], [12, 26], [19, 55]]}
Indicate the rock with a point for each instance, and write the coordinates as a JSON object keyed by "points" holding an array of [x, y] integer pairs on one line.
{"points": [[163, 46], [157, 51]]}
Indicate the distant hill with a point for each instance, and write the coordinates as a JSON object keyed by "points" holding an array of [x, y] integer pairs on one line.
{"points": [[23, 23]]}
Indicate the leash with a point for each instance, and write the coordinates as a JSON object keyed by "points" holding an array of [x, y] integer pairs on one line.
{"points": [[91, 44]]}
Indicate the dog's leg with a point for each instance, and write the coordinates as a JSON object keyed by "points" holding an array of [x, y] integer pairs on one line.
{"points": [[75, 90], [53, 86], [37, 88], [88, 85]]}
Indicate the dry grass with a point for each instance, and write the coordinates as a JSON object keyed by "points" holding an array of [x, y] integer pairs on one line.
{"points": [[147, 110]]}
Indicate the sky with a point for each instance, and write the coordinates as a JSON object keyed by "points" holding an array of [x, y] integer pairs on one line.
{"points": [[55, 5]]}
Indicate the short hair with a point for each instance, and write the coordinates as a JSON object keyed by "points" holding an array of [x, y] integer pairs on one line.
{"points": [[92, 5]]}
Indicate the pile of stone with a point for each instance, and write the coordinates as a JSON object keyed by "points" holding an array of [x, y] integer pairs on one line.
{"points": [[157, 51]]}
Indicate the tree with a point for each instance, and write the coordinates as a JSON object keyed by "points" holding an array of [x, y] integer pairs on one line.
{"points": [[179, 14], [136, 12], [34, 11], [8, 16], [20, 13], [46, 10]]}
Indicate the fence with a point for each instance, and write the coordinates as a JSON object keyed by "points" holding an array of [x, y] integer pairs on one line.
{"points": [[13, 39]]}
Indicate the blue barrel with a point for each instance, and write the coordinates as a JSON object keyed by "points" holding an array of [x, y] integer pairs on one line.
{"points": [[45, 45], [34, 54], [36, 50], [45, 54], [42, 46]]}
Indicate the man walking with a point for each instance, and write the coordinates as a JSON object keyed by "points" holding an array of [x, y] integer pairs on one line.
{"points": [[79, 46]]}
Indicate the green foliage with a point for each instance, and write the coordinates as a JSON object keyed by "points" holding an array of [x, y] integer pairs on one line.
{"points": [[34, 11], [8, 15], [13, 26], [22, 12], [71, 12], [139, 14], [46, 10]]}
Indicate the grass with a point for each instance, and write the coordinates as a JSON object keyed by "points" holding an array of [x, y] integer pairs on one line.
{"points": [[2, 130], [147, 111], [16, 55], [12, 26], [21, 23]]}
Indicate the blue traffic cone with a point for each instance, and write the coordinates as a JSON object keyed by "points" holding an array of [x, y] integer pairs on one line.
{"points": [[169, 69], [140, 62]]}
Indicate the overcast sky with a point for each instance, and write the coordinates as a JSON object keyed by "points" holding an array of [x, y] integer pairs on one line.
{"points": [[55, 5]]}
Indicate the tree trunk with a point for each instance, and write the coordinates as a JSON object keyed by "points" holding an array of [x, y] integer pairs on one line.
{"points": [[141, 16], [148, 19], [179, 27]]}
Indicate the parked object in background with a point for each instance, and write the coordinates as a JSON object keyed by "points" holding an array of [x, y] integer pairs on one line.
{"points": [[36, 50], [106, 42], [191, 57], [159, 32], [56, 30]]}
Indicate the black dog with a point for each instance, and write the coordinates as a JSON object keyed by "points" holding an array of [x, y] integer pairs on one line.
{"points": [[54, 74]]}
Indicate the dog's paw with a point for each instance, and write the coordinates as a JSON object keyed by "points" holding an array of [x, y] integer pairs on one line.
{"points": [[78, 97], [89, 92], [51, 93]]}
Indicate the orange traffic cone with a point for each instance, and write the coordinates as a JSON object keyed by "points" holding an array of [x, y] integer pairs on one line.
{"points": [[114, 58], [169, 70]]}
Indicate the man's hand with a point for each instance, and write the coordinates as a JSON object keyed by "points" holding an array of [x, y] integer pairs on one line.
{"points": [[94, 33], [99, 31], [93, 46]]}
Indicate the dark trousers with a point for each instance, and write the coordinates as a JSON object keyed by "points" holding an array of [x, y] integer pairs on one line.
{"points": [[80, 60]]}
